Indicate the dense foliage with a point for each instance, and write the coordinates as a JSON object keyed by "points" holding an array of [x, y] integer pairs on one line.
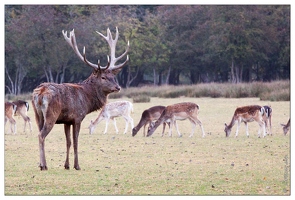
{"points": [[168, 44]]}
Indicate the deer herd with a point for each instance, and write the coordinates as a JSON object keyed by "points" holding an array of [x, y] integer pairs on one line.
{"points": [[69, 103]]}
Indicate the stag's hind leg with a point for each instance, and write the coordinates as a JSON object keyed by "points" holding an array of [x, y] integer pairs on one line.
{"points": [[45, 125], [42, 135]]}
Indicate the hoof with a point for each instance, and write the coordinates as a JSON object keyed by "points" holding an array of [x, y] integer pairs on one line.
{"points": [[77, 168], [42, 168], [67, 167]]}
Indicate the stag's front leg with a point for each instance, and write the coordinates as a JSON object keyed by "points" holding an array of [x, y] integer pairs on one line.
{"points": [[67, 128], [76, 130]]}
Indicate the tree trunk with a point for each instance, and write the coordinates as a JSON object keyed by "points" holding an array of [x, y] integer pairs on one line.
{"points": [[168, 75], [233, 79], [155, 76], [11, 90]]}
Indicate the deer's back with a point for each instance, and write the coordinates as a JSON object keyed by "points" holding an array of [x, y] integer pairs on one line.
{"points": [[251, 110], [68, 102], [187, 107]]}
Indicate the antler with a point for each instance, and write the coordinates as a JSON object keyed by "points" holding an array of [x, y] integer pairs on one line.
{"points": [[72, 42], [112, 43]]}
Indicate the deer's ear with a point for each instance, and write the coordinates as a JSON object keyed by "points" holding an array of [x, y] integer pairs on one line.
{"points": [[116, 71], [97, 72]]}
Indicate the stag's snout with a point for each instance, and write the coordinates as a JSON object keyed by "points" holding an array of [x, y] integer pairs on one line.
{"points": [[116, 88]]}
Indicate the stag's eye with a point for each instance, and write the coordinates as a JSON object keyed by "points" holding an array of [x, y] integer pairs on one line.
{"points": [[103, 78]]}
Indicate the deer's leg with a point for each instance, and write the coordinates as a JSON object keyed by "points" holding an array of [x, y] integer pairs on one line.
{"points": [[247, 132], [176, 126], [238, 126], [5, 122], [144, 129], [126, 124], [107, 123], [196, 120], [164, 125], [261, 126], [170, 128], [193, 127], [76, 130], [12, 125], [30, 124], [269, 122], [115, 124], [131, 122], [42, 135], [67, 128], [25, 125]]}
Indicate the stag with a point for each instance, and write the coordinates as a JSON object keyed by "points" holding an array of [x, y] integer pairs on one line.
{"points": [[69, 103]]}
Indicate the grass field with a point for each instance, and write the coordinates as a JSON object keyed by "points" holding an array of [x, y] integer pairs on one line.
{"points": [[117, 164]]}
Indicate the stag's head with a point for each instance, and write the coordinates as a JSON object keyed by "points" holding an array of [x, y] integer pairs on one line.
{"points": [[104, 76]]}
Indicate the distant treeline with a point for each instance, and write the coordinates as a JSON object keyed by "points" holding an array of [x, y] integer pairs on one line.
{"points": [[169, 44], [267, 91]]}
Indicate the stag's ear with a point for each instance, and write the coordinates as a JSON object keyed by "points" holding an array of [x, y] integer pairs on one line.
{"points": [[116, 71]]}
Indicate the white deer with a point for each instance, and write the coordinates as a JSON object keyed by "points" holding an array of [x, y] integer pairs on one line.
{"points": [[111, 111]]}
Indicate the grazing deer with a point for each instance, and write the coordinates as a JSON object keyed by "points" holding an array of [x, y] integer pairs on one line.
{"points": [[147, 117], [267, 119], [111, 111], [22, 110], [9, 112], [69, 103], [179, 111], [247, 114], [286, 127]]}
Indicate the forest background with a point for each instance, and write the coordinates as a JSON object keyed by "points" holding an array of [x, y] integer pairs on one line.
{"points": [[169, 44]]}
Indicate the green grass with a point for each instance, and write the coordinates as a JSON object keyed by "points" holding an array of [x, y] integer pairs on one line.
{"points": [[117, 164]]}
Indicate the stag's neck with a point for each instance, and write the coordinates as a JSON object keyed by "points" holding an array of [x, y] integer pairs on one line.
{"points": [[96, 98]]}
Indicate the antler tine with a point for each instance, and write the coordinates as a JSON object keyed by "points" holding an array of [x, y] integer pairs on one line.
{"points": [[72, 42], [112, 44], [122, 64]]}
